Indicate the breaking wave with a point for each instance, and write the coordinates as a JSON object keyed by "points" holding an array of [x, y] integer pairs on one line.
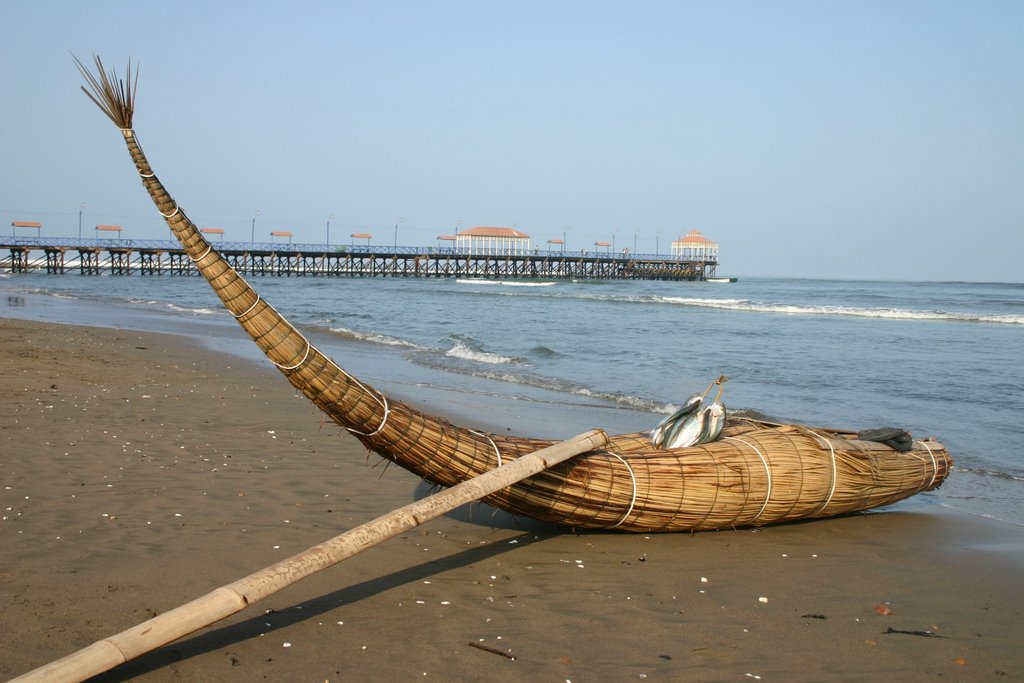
{"points": [[194, 311], [465, 351], [371, 337], [875, 313], [505, 283]]}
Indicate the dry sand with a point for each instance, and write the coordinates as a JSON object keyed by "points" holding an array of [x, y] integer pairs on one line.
{"points": [[137, 473]]}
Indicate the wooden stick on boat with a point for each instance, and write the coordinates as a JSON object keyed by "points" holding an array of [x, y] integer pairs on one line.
{"points": [[105, 654]]}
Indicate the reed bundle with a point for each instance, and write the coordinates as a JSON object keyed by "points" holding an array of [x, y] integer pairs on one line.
{"points": [[758, 473]]}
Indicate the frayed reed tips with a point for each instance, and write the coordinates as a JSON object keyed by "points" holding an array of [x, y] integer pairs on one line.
{"points": [[114, 96]]}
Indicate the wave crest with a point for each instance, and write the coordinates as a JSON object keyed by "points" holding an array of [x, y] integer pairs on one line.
{"points": [[371, 337], [461, 350], [195, 311], [876, 313]]}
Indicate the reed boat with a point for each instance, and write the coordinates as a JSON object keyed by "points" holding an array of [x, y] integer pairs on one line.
{"points": [[755, 473]]}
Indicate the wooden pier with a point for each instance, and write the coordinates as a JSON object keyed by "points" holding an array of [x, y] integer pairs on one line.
{"points": [[59, 256]]}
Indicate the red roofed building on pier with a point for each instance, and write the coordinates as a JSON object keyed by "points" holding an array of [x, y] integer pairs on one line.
{"points": [[695, 247], [481, 240]]}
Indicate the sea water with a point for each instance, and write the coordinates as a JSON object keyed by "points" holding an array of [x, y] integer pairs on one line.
{"points": [[551, 359]]}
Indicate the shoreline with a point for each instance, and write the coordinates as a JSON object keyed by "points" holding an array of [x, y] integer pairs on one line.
{"points": [[474, 404], [141, 472]]}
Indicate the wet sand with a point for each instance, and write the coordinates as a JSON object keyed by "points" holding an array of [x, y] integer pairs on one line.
{"points": [[137, 473]]}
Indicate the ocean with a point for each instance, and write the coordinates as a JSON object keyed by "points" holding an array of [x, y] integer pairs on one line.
{"points": [[552, 359]]}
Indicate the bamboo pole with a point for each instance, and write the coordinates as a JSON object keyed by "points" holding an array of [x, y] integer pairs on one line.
{"points": [[105, 654]]}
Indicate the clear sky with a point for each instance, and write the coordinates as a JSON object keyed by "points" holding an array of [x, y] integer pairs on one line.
{"points": [[810, 139]]}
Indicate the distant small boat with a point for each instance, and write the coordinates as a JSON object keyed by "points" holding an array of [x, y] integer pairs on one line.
{"points": [[721, 279]]}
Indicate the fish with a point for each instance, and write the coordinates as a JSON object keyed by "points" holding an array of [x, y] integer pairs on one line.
{"points": [[689, 406], [694, 423], [686, 432], [714, 422]]}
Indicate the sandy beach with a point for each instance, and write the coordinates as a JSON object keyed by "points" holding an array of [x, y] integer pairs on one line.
{"points": [[137, 473]]}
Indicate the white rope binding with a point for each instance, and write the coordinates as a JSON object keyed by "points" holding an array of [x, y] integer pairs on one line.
{"points": [[632, 502], [387, 413], [497, 453], [935, 465], [832, 490], [309, 347], [767, 471], [248, 310], [171, 214], [209, 248]]}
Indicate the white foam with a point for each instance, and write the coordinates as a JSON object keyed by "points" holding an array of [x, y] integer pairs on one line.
{"points": [[460, 350], [876, 313], [505, 283], [196, 311], [373, 338]]}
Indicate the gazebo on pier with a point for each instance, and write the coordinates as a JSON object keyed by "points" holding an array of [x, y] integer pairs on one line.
{"points": [[694, 246]]}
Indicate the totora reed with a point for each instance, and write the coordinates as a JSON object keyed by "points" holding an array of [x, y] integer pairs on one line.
{"points": [[757, 473]]}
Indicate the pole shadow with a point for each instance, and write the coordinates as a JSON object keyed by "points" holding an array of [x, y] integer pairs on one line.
{"points": [[225, 636]]}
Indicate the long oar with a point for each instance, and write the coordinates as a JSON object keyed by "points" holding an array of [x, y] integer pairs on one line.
{"points": [[223, 602]]}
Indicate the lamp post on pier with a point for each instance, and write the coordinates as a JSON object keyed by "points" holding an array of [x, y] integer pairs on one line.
{"points": [[329, 219], [80, 209], [252, 233]]}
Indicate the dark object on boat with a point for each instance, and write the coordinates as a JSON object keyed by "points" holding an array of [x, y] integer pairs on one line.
{"points": [[894, 437]]}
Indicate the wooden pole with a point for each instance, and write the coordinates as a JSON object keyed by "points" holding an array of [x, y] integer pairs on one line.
{"points": [[105, 654]]}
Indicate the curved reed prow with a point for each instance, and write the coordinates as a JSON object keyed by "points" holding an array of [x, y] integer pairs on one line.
{"points": [[364, 411], [285, 346]]}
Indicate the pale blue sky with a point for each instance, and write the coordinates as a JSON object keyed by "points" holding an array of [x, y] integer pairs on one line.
{"points": [[810, 139]]}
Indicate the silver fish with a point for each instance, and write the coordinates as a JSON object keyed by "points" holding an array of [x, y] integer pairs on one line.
{"points": [[689, 406], [714, 422], [686, 432], [658, 433], [666, 431]]}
